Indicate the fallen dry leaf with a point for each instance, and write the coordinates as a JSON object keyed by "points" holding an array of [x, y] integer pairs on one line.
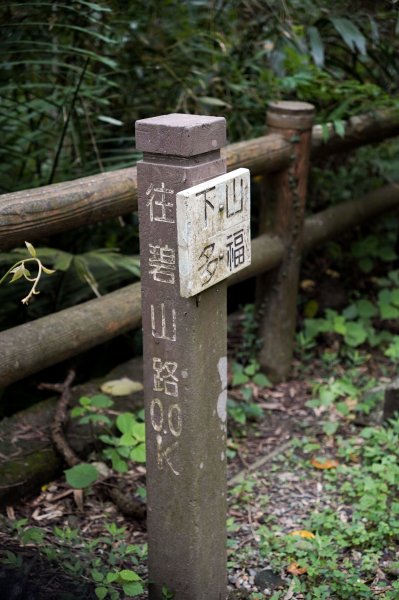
{"points": [[121, 387], [295, 569], [303, 533], [329, 463]]}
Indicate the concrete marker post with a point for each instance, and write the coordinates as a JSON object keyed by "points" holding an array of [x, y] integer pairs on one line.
{"points": [[185, 369]]}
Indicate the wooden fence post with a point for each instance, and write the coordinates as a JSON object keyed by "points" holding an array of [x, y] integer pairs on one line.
{"points": [[185, 369], [283, 213]]}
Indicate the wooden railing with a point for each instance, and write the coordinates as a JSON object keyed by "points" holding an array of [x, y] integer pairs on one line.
{"points": [[52, 209]]}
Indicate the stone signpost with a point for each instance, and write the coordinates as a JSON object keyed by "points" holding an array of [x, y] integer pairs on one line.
{"points": [[191, 240]]}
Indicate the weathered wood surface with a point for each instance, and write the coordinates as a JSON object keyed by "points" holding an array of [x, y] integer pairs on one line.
{"points": [[38, 344], [51, 209], [27, 455], [359, 131], [64, 206], [327, 224], [282, 212], [391, 401], [49, 340]]}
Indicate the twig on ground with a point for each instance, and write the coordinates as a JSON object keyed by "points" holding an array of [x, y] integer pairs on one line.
{"points": [[61, 418], [127, 505], [258, 463]]}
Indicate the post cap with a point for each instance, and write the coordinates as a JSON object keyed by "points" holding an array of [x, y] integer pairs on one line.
{"points": [[287, 114], [180, 134]]}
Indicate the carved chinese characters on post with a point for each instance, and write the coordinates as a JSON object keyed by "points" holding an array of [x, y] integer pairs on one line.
{"points": [[161, 209], [165, 413], [213, 225], [166, 416], [162, 263]]}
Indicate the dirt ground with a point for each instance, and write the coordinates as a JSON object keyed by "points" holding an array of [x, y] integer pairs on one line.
{"points": [[262, 482]]}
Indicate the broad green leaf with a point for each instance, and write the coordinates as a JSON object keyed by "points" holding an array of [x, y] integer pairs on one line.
{"points": [[239, 378], [350, 312], [127, 440], [118, 464], [101, 401], [101, 592], [128, 575], [327, 397], [138, 453], [123, 451], [125, 422], [350, 33], [81, 476], [339, 325], [330, 427], [138, 431], [261, 380], [316, 46], [96, 575], [355, 334], [387, 311], [252, 368], [77, 411], [132, 589], [366, 309], [395, 297], [343, 408]]}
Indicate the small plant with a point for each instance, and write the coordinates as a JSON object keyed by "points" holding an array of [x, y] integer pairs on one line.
{"points": [[19, 270], [104, 560], [341, 546], [127, 444], [166, 594]]}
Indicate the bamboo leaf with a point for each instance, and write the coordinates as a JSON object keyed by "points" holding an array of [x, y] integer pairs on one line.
{"points": [[350, 33], [316, 46]]}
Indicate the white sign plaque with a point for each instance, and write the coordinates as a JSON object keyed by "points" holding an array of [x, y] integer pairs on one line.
{"points": [[213, 231]]}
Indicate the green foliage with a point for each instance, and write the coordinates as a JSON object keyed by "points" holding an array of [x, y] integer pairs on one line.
{"points": [[128, 443], [361, 322], [340, 399], [341, 559], [76, 75], [105, 561], [81, 476], [166, 594], [245, 378]]}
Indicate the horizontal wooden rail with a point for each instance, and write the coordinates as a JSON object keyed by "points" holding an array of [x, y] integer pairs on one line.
{"points": [[61, 207], [52, 209], [34, 346], [359, 131]]}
